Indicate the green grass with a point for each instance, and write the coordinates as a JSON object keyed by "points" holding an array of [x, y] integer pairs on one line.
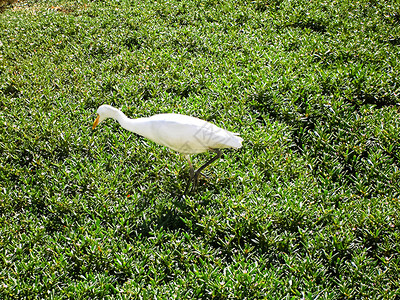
{"points": [[308, 208]]}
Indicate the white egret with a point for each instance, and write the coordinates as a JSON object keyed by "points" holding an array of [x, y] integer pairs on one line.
{"points": [[184, 134]]}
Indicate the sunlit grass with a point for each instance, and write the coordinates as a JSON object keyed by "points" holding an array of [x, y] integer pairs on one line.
{"points": [[308, 208]]}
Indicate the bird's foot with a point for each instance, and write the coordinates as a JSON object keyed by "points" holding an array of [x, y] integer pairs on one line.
{"points": [[194, 175], [194, 181]]}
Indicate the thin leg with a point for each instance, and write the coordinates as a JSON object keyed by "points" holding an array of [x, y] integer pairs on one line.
{"points": [[198, 171], [191, 166], [191, 173]]}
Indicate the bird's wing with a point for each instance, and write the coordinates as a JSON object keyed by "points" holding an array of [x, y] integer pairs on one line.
{"points": [[191, 135]]}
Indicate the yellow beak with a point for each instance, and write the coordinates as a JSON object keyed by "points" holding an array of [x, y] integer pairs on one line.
{"points": [[96, 122]]}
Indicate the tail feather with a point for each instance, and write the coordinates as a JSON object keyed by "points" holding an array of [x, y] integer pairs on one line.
{"points": [[236, 141]]}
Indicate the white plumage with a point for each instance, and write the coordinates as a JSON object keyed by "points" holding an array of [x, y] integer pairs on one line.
{"points": [[184, 134]]}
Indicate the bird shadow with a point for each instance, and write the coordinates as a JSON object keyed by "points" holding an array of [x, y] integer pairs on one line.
{"points": [[182, 209]]}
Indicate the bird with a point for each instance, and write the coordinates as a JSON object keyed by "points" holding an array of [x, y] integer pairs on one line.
{"points": [[185, 134]]}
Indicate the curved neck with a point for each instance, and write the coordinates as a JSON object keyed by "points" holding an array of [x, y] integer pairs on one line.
{"points": [[118, 116], [139, 126]]}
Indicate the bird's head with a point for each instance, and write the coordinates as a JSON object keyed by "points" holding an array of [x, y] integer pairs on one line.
{"points": [[104, 112]]}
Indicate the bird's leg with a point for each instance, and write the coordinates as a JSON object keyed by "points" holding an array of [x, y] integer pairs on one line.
{"points": [[191, 173], [198, 171]]}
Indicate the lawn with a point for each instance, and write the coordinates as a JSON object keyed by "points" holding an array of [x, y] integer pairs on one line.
{"points": [[308, 208]]}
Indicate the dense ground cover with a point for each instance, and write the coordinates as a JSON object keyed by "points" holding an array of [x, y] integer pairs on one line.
{"points": [[308, 208]]}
